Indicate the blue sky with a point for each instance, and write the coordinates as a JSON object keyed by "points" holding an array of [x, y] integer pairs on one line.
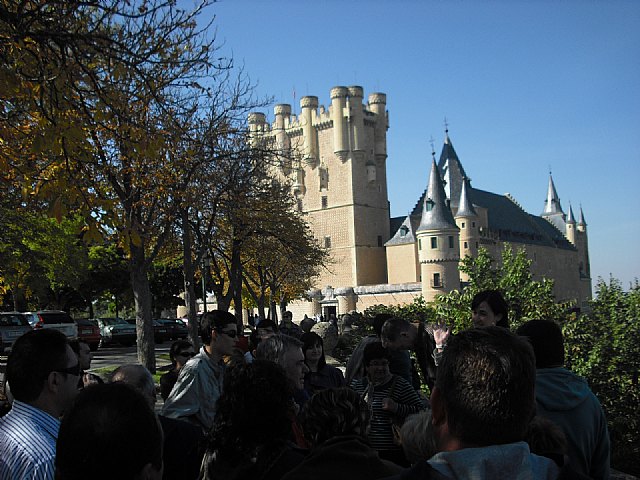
{"points": [[525, 86]]}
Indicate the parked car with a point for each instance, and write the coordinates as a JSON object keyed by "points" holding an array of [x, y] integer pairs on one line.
{"points": [[175, 328], [56, 319], [116, 330], [12, 325], [160, 332], [89, 331]]}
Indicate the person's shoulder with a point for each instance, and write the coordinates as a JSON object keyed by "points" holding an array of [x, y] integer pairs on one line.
{"points": [[420, 471]]}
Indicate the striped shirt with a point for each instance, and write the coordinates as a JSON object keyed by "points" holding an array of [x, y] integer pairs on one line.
{"points": [[381, 434], [27, 443]]}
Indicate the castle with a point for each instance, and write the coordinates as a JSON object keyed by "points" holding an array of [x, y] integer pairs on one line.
{"points": [[338, 176]]}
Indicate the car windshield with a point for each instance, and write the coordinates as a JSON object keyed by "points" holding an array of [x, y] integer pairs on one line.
{"points": [[13, 320], [113, 321]]}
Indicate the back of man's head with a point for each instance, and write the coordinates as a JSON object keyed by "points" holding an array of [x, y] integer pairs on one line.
{"points": [[274, 348], [33, 357], [214, 320], [138, 377], [335, 412], [378, 322], [392, 328], [486, 382], [546, 339], [112, 419]]}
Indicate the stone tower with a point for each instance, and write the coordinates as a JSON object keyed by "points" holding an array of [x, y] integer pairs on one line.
{"points": [[335, 160], [467, 221], [438, 241]]}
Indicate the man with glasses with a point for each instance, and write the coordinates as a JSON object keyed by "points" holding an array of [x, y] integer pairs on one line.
{"points": [[199, 385], [43, 373]]}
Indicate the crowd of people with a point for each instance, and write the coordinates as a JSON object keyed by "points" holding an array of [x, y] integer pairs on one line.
{"points": [[501, 406]]}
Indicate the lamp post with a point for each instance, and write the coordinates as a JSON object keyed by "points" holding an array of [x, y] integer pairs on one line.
{"points": [[206, 262]]}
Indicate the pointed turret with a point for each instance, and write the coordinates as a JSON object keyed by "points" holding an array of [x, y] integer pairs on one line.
{"points": [[465, 206], [571, 226], [452, 172], [570, 217], [552, 209], [552, 203], [582, 224], [436, 214], [438, 241]]}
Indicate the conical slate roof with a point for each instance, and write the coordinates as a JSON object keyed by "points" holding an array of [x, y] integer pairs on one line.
{"points": [[465, 206], [570, 217], [581, 221], [552, 203], [436, 214], [451, 170]]}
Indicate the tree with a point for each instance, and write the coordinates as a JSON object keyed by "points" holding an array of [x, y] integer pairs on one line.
{"points": [[526, 297], [98, 94], [602, 346]]}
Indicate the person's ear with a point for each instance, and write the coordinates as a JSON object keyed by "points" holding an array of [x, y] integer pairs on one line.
{"points": [[438, 411]]}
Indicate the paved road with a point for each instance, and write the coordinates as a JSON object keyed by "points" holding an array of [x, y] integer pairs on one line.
{"points": [[112, 357]]}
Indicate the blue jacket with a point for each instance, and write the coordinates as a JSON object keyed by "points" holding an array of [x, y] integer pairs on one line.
{"points": [[566, 399]]}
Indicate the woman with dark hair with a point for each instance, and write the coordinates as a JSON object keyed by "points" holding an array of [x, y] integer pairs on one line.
{"points": [[320, 375], [180, 353], [252, 427], [336, 422], [489, 308], [391, 399]]}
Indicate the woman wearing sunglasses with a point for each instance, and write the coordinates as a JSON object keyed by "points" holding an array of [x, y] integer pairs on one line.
{"points": [[179, 353]]}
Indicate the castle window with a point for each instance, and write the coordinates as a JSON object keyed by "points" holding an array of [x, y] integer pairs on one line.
{"points": [[476, 244], [419, 244], [327, 242], [429, 204], [325, 202], [379, 240], [437, 283], [462, 224], [466, 245], [323, 171], [403, 231], [450, 241], [473, 224], [434, 242]]}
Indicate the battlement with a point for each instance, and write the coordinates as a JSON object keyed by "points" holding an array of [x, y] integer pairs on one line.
{"points": [[322, 116]]}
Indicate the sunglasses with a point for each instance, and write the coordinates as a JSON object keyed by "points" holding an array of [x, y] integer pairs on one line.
{"points": [[75, 370], [186, 354], [230, 333]]}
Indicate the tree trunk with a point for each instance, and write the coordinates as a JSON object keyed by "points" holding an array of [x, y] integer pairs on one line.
{"points": [[142, 298], [236, 280], [189, 280]]}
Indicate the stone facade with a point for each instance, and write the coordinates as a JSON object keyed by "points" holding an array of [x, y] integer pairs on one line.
{"points": [[335, 159]]}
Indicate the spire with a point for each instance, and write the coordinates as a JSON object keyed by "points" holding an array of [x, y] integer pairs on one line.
{"points": [[436, 215], [581, 220], [552, 203], [571, 218], [451, 171], [465, 207]]}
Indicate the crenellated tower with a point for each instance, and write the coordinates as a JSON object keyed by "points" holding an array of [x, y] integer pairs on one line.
{"points": [[336, 164]]}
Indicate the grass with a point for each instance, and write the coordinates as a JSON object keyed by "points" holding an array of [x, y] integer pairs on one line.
{"points": [[105, 372]]}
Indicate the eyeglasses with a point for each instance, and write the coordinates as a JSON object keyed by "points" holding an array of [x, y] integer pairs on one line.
{"points": [[186, 354], [75, 370], [230, 333]]}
